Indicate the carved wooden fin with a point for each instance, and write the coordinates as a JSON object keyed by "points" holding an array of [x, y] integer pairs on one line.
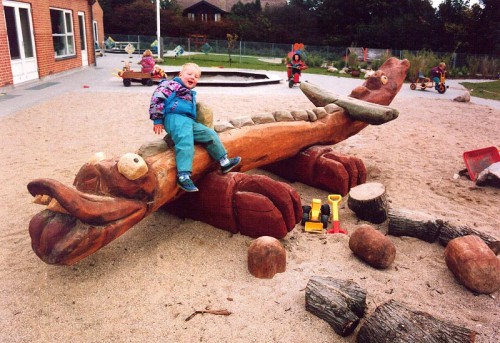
{"points": [[367, 112]]}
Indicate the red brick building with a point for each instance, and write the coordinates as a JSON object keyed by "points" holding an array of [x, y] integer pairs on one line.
{"points": [[44, 37]]}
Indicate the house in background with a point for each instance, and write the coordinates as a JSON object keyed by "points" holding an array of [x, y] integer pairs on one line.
{"points": [[215, 10], [204, 11], [39, 38]]}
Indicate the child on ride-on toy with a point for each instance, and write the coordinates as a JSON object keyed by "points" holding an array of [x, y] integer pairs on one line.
{"points": [[294, 68], [436, 73]]}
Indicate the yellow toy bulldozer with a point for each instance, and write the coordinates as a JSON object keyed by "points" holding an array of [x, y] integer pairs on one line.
{"points": [[315, 217]]}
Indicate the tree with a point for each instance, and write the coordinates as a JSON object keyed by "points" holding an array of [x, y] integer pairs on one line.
{"points": [[454, 17]]}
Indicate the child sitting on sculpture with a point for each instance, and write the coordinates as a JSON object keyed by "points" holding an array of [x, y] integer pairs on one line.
{"points": [[173, 109], [147, 62]]}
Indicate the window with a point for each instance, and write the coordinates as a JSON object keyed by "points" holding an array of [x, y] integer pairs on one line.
{"points": [[217, 17], [191, 16], [62, 32]]}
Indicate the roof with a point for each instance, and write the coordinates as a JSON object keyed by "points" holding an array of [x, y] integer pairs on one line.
{"points": [[227, 5], [203, 3]]}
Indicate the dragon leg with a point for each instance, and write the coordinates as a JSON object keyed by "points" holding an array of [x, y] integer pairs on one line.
{"points": [[253, 205], [322, 167]]}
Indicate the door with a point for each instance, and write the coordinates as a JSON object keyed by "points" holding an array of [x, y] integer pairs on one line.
{"points": [[21, 41], [83, 39]]}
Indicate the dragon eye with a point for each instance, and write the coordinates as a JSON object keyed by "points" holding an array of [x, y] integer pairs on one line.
{"points": [[132, 166]]}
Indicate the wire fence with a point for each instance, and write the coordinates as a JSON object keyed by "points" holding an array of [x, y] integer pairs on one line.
{"points": [[197, 44]]}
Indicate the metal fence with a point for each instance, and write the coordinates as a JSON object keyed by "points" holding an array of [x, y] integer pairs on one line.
{"points": [[261, 49]]}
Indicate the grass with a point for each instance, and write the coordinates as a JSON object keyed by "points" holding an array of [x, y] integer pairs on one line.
{"points": [[247, 62], [485, 90]]}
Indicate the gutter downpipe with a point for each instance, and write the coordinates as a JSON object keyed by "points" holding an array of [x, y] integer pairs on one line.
{"points": [[91, 5]]}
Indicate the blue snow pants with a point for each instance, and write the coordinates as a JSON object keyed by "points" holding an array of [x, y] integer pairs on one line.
{"points": [[185, 131]]}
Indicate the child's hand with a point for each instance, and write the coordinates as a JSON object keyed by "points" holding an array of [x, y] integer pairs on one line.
{"points": [[158, 128]]}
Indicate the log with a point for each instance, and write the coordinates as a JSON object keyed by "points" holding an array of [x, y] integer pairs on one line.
{"points": [[266, 257], [396, 323], [372, 247], [449, 232], [368, 201], [404, 222], [473, 264], [341, 303]]}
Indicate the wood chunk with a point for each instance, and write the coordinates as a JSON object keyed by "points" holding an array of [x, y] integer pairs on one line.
{"points": [[404, 222], [473, 263], [394, 322], [368, 201], [416, 224], [341, 303], [266, 257], [372, 247]]}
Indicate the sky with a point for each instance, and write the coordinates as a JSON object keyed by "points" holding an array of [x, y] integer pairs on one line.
{"points": [[435, 3]]}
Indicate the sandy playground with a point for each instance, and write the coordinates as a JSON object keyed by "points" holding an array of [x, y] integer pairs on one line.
{"points": [[143, 286]]}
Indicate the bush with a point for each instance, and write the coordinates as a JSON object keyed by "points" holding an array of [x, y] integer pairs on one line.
{"points": [[489, 67], [423, 62], [314, 60]]}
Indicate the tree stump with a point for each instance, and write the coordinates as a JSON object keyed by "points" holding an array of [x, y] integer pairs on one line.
{"points": [[368, 201], [473, 263], [341, 303], [394, 322], [266, 257], [372, 247], [403, 222]]}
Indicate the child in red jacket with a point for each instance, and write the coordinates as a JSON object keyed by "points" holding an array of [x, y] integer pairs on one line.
{"points": [[147, 62]]}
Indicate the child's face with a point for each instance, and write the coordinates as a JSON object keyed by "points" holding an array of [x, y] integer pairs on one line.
{"points": [[190, 76]]}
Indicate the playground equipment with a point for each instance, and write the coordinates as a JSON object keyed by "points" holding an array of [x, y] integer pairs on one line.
{"points": [[423, 83]]}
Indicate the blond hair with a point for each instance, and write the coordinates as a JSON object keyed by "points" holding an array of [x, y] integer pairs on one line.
{"points": [[191, 65], [442, 65], [147, 53]]}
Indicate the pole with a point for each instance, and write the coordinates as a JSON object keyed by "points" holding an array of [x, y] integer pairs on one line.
{"points": [[158, 45]]}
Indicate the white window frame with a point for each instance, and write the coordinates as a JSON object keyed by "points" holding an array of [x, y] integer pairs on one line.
{"points": [[217, 17], [191, 16], [67, 36]]}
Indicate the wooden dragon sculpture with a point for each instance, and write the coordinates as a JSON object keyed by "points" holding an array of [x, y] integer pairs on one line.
{"points": [[112, 195]]}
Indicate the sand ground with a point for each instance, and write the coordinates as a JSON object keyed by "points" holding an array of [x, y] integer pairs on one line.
{"points": [[143, 286]]}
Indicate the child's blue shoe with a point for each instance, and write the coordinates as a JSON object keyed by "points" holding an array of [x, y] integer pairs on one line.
{"points": [[187, 185], [233, 162]]}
